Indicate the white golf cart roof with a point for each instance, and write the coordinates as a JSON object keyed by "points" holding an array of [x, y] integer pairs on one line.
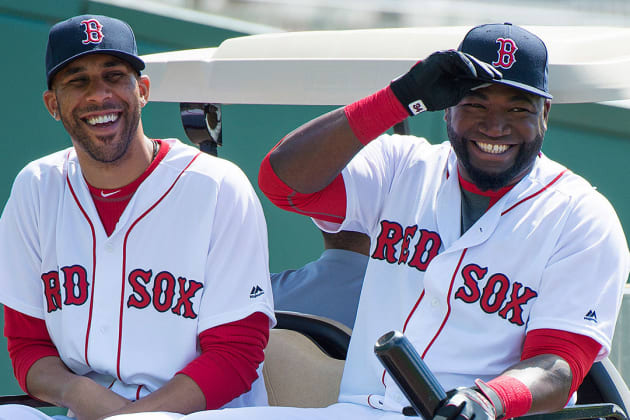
{"points": [[586, 64]]}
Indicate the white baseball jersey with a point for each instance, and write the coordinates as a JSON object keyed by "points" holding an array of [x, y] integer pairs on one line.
{"points": [[551, 253], [188, 253]]}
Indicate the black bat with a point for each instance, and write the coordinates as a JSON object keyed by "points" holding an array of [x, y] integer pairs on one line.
{"points": [[410, 373]]}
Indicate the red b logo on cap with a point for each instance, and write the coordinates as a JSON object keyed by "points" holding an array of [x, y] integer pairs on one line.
{"points": [[92, 31], [506, 52]]}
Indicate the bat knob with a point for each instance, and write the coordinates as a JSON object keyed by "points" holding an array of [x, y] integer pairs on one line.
{"points": [[411, 374]]}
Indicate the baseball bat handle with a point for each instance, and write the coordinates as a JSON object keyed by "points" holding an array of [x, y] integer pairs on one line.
{"points": [[410, 373]]}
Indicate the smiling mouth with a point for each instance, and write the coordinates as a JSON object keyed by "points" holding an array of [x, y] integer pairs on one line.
{"points": [[492, 148], [102, 119]]}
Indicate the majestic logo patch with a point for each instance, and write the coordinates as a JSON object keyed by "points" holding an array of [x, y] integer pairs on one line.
{"points": [[591, 316], [507, 49], [93, 32], [256, 291]]}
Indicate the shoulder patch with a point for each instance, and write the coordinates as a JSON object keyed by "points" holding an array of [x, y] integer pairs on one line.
{"points": [[256, 291], [591, 316]]}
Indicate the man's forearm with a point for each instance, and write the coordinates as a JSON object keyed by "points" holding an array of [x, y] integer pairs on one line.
{"points": [[548, 378], [179, 395], [50, 380], [309, 158]]}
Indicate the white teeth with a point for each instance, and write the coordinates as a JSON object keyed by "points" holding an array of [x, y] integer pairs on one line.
{"points": [[102, 119], [492, 148]]}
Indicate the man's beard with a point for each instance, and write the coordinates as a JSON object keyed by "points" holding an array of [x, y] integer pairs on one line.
{"points": [[493, 181], [108, 151]]}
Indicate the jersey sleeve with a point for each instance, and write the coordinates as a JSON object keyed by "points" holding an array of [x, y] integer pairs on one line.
{"points": [[20, 259], [328, 204], [582, 284], [237, 280]]}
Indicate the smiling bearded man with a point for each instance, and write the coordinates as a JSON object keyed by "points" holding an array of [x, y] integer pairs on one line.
{"points": [[104, 131], [509, 154], [475, 242]]}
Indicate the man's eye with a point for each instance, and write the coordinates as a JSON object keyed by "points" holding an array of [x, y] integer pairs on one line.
{"points": [[114, 76], [77, 81]]}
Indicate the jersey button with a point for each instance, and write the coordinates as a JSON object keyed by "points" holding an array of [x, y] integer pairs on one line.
{"points": [[109, 247], [435, 302]]}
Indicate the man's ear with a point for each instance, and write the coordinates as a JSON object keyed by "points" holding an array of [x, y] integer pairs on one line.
{"points": [[50, 101], [144, 86], [545, 113], [547, 109]]}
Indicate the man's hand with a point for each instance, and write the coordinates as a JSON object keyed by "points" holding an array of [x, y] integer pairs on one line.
{"points": [[90, 401], [441, 81], [465, 404], [49, 379]]}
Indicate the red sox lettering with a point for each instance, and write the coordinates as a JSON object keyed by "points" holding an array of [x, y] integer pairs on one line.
{"points": [[498, 295], [163, 292], [72, 288], [494, 294], [75, 285], [425, 249]]}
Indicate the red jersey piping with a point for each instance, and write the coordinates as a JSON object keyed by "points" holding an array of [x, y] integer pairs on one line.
{"points": [[536, 193], [89, 323], [448, 303], [413, 310], [124, 263]]}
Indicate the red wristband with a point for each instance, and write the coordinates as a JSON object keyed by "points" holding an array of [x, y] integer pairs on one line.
{"points": [[514, 394], [373, 115]]}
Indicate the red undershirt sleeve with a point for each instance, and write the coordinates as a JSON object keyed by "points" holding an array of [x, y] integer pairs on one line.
{"points": [[328, 204], [373, 115], [27, 342], [230, 356], [579, 351]]}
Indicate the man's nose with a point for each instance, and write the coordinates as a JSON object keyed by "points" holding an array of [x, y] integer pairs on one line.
{"points": [[98, 90], [495, 124]]}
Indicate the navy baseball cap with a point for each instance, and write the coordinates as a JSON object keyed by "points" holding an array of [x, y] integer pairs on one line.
{"points": [[89, 34], [517, 53]]}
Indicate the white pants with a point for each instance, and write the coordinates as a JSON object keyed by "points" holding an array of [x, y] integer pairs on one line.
{"points": [[23, 412], [339, 411]]}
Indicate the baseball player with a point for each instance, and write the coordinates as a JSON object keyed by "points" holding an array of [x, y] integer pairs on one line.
{"points": [[503, 268], [134, 271]]}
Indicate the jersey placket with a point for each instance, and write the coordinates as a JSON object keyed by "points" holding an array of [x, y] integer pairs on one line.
{"points": [[108, 295]]}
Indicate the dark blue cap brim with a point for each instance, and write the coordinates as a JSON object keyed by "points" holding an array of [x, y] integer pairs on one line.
{"points": [[135, 62], [523, 86]]}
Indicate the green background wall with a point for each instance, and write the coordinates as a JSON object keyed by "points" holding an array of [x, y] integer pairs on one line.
{"points": [[592, 140]]}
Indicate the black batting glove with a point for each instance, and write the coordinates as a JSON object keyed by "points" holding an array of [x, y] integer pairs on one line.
{"points": [[441, 81], [467, 404]]}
